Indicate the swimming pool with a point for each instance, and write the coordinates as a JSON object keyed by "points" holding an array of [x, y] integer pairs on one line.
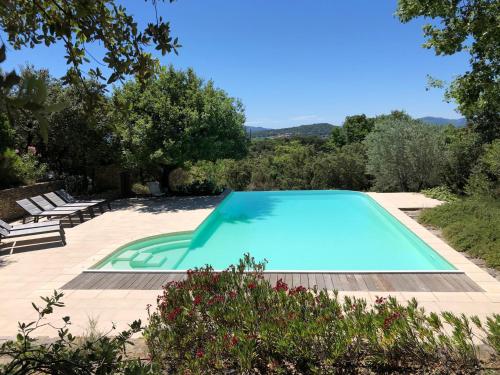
{"points": [[293, 230]]}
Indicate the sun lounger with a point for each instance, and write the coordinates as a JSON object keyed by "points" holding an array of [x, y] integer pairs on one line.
{"points": [[40, 224], [154, 189], [37, 213], [21, 230], [70, 199], [59, 202]]}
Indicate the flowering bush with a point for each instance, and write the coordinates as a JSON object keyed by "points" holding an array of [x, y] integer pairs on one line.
{"points": [[100, 354], [237, 322]]}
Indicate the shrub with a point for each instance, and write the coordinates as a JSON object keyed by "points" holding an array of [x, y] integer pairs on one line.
{"points": [[404, 154], [196, 179], [20, 169], [95, 354], [471, 224], [237, 322], [442, 193], [140, 189]]}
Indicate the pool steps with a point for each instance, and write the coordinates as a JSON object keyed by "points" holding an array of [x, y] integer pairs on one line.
{"points": [[168, 250]]}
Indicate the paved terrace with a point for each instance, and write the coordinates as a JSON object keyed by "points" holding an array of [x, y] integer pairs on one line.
{"points": [[35, 269]]}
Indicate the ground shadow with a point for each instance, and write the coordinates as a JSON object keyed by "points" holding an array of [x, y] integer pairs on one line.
{"points": [[167, 204], [33, 244]]}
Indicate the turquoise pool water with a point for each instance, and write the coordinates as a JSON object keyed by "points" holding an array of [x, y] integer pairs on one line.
{"points": [[293, 230]]}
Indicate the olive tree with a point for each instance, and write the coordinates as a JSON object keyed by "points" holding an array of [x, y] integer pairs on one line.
{"points": [[404, 155]]}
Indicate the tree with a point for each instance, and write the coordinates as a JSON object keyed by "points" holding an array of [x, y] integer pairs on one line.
{"points": [[343, 169], [337, 138], [76, 24], [357, 127], [175, 117], [404, 155], [462, 150], [473, 26]]}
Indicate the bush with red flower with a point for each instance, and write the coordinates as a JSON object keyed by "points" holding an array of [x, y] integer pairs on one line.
{"points": [[235, 321]]}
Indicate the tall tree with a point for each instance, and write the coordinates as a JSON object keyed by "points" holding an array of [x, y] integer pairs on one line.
{"points": [[473, 26], [175, 117], [77, 25], [357, 127]]}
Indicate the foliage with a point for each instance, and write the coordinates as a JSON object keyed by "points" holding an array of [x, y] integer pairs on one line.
{"points": [[357, 128], [196, 179], [442, 193], [404, 154], [472, 26], [462, 150], [140, 189], [343, 169], [20, 169], [77, 25], [176, 118], [237, 322], [471, 225], [485, 178], [97, 354], [26, 95], [337, 138]]}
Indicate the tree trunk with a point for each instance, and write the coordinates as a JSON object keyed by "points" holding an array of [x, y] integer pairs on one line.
{"points": [[165, 173]]}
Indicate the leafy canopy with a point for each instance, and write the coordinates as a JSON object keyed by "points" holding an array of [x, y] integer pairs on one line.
{"points": [[77, 24], [404, 154], [472, 26], [175, 117]]}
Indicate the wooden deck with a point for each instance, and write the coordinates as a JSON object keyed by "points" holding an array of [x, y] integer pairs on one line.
{"points": [[376, 282]]}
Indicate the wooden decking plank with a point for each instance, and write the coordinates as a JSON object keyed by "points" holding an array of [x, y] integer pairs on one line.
{"points": [[336, 281], [304, 280], [312, 280], [370, 283], [360, 281], [404, 284], [441, 284], [351, 279], [139, 282], [273, 277], [474, 287], [385, 281], [419, 282], [288, 279], [328, 281]]}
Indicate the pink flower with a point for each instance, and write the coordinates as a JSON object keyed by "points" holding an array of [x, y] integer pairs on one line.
{"points": [[200, 353], [281, 286], [32, 150]]}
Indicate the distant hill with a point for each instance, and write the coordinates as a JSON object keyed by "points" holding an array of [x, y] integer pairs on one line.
{"points": [[459, 123], [321, 130], [254, 129]]}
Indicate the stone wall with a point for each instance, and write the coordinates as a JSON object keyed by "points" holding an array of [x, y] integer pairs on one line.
{"points": [[9, 210]]}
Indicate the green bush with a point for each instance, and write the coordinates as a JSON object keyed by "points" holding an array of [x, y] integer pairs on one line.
{"points": [[140, 189], [404, 154], [471, 225], [20, 169], [69, 355], [237, 322], [200, 178], [443, 193]]}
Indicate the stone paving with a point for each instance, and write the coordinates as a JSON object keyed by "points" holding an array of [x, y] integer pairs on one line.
{"points": [[34, 270]]}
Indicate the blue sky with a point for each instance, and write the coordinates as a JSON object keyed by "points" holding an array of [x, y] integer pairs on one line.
{"points": [[295, 62]]}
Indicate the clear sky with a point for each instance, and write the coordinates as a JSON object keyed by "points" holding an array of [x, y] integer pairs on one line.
{"points": [[295, 62]]}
